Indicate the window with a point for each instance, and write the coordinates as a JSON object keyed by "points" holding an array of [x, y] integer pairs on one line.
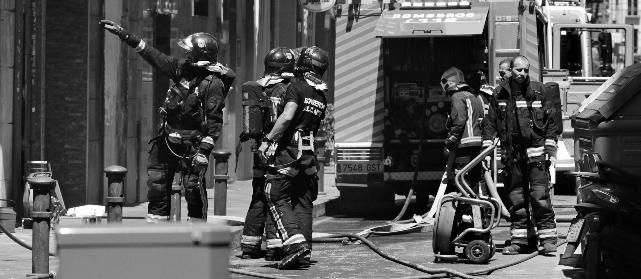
{"points": [[606, 53], [633, 7], [201, 7]]}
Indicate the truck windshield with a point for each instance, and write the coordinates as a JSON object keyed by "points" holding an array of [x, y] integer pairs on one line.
{"points": [[592, 52]]}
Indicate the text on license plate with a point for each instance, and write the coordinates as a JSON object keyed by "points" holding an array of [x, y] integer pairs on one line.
{"points": [[359, 167], [575, 231]]}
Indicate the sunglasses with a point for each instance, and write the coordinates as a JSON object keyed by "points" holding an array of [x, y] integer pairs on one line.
{"points": [[443, 81], [525, 70]]}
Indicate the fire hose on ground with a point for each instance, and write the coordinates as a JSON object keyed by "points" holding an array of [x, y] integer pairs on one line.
{"points": [[396, 227], [434, 272], [19, 241]]}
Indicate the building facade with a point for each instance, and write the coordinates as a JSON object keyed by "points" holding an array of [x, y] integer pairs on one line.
{"points": [[78, 98]]}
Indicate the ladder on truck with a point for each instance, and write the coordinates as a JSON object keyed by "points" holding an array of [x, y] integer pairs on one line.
{"points": [[513, 33]]}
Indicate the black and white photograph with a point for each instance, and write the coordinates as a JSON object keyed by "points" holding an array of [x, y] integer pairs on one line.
{"points": [[320, 139]]}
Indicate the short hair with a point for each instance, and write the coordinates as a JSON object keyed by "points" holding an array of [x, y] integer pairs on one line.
{"points": [[506, 61], [519, 57]]}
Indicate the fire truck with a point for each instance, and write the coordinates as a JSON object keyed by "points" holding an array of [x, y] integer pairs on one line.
{"points": [[390, 110]]}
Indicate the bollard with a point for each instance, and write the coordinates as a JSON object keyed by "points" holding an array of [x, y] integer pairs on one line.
{"points": [[41, 216], [320, 157], [220, 182], [176, 199], [115, 192]]}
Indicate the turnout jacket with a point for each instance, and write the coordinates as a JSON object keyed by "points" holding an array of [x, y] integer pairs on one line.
{"points": [[464, 122], [195, 100], [522, 118], [296, 144]]}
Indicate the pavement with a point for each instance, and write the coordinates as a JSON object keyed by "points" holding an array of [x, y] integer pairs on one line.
{"points": [[336, 260], [15, 261], [330, 261]]}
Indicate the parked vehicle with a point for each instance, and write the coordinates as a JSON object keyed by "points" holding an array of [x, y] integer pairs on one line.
{"points": [[607, 227]]}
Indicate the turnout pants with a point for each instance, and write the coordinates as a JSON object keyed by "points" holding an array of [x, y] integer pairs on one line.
{"points": [[303, 196], [462, 157], [278, 193], [162, 164], [258, 219], [529, 186]]}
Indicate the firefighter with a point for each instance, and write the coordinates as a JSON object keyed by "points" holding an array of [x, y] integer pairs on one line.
{"points": [[191, 119], [521, 117], [463, 141], [268, 94], [504, 69], [289, 149]]}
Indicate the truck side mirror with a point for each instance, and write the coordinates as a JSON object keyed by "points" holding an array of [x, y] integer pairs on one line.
{"points": [[605, 41], [605, 47]]}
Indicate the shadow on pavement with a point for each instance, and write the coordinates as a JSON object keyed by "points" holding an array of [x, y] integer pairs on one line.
{"points": [[369, 209]]}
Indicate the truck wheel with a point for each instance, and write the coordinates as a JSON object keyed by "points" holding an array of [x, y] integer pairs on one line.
{"points": [[442, 237], [478, 251]]}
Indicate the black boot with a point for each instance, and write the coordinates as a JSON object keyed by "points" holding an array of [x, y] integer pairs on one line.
{"points": [[548, 246], [274, 254], [250, 251], [293, 253]]}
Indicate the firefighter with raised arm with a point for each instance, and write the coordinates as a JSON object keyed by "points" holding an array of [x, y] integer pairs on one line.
{"points": [[262, 100], [524, 121], [463, 141], [192, 119], [289, 150]]}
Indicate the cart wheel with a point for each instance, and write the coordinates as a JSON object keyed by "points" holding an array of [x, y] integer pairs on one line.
{"points": [[492, 251], [492, 247], [442, 237], [478, 251]]}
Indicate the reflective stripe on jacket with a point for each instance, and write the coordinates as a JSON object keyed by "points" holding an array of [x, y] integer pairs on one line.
{"points": [[524, 114], [466, 115]]}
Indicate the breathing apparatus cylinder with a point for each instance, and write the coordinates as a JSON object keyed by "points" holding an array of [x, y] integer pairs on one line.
{"points": [[255, 104]]}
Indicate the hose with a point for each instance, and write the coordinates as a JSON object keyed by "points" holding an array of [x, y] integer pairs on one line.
{"points": [[255, 274], [408, 199], [487, 271], [17, 240], [406, 263]]}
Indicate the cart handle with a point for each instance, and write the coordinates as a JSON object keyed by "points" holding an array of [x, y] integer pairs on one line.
{"points": [[461, 184]]}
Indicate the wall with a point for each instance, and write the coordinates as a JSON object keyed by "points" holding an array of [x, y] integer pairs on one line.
{"points": [[90, 101], [7, 15], [65, 86]]}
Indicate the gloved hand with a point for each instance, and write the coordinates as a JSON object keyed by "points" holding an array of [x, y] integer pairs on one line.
{"points": [[551, 159], [446, 152], [267, 150], [121, 32], [206, 146], [200, 160], [451, 143], [218, 68]]}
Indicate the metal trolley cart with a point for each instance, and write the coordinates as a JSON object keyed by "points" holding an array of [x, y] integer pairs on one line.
{"points": [[464, 220]]}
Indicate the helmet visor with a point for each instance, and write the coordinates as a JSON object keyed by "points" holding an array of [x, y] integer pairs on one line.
{"points": [[186, 43]]}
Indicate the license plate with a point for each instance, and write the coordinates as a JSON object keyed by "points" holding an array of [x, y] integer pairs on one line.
{"points": [[359, 167], [575, 231]]}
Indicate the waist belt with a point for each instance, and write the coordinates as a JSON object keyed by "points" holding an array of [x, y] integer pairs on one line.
{"points": [[182, 136]]}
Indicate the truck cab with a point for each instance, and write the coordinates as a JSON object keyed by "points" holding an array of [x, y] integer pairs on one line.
{"points": [[579, 56]]}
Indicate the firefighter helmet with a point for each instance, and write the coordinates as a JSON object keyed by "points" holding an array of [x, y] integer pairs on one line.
{"points": [[278, 61], [312, 59], [200, 46], [452, 77]]}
